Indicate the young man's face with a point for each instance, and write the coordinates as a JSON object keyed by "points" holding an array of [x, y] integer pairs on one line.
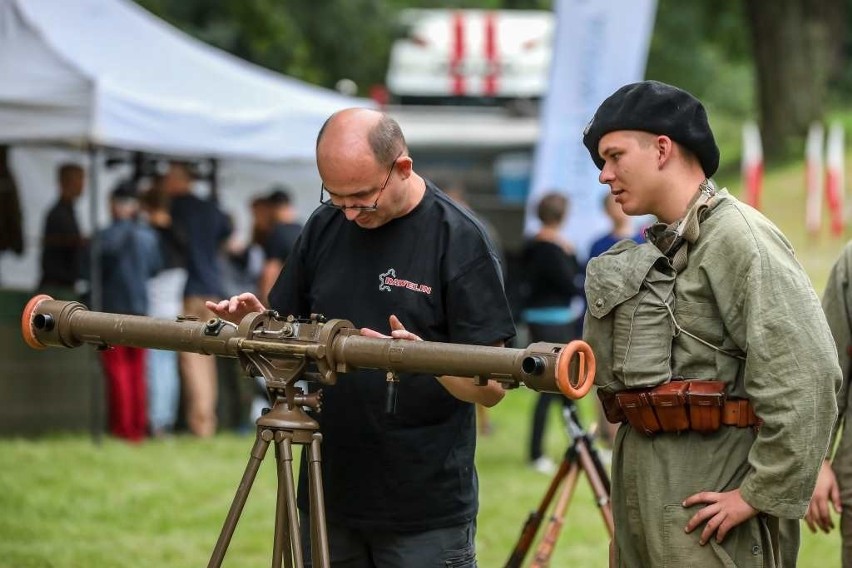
{"points": [[630, 169]]}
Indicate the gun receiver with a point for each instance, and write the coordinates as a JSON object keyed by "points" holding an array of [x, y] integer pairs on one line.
{"points": [[280, 347]]}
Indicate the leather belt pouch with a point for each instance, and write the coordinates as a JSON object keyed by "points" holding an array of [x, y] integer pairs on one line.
{"points": [[706, 399], [612, 411], [669, 402], [638, 410]]}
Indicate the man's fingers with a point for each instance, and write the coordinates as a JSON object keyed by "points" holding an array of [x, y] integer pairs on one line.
{"points": [[810, 522], [834, 495], [710, 528], [395, 324], [701, 516], [703, 497], [367, 332]]}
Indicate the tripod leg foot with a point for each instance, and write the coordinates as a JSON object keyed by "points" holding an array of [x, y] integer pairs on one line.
{"points": [[258, 451]]}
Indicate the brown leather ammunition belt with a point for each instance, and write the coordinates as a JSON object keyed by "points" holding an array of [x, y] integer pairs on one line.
{"points": [[701, 406]]}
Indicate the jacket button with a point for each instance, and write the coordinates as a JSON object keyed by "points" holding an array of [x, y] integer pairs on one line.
{"points": [[599, 303], [755, 550]]}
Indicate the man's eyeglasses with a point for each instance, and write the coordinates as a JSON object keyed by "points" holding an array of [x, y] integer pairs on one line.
{"points": [[367, 208]]}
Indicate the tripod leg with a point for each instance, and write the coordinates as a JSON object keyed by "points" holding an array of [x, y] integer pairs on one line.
{"points": [[599, 481], [261, 444], [534, 520], [319, 533], [286, 516], [554, 526]]}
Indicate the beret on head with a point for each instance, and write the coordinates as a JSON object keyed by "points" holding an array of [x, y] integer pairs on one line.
{"points": [[657, 108]]}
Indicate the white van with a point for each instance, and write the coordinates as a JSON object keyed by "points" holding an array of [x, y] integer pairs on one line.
{"points": [[471, 56]]}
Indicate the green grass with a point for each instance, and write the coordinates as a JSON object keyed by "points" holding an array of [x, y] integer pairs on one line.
{"points": [[66, 502]]}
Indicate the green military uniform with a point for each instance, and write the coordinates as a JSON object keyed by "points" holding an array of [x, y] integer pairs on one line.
{"points": [[748, 301], [837, 304]]}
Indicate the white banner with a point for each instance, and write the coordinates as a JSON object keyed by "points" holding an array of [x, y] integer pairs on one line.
{"points": [[597, 48]]}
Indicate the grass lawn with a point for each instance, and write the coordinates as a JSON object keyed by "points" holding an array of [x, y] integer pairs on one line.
{"points": [[66, 502]]}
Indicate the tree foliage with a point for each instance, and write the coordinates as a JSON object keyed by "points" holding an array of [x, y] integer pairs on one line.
{"points": [[779, 60]]}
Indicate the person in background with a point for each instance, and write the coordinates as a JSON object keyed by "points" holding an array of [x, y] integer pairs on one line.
{"points": [[204, 227], [278, 245], [621, 228], [387, 250], [11, 221], [130, 254], [165, 300], [64, 247], [552, 310], [834, 484]]}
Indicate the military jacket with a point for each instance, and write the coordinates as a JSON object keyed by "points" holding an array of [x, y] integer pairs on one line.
{"points": [[760, 329], [837, 304]]}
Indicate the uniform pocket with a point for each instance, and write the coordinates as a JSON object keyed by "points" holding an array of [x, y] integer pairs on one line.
{"points": [[701, 319], [681, 550]]}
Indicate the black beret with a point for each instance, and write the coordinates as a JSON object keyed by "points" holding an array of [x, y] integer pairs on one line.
{"points": [[657, 108]]}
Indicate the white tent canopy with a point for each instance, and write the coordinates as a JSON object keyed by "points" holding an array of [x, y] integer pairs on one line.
{"points": [[109, 73], [78, 74]]}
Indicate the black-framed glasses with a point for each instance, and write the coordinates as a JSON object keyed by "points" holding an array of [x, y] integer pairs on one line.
{"points": [[367, 208]]}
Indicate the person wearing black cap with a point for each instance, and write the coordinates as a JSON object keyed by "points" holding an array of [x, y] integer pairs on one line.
{"points": [[726, 399]]}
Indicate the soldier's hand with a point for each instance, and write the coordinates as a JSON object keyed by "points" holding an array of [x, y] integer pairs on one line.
{"points": [[236, 307], [825, 492], [722, 512], [398, 331]]}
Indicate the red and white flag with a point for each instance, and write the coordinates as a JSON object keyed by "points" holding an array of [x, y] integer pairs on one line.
{"points": [[752, 164], [814, 178], [834, 179]]}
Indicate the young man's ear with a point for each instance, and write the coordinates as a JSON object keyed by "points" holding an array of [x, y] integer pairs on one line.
{"points": [[664, 146]]}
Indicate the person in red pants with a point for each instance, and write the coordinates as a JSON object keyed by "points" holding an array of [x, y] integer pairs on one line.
{"points": [[130, 254]]}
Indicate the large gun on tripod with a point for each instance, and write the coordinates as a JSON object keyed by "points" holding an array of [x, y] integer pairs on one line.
{"points": [[282, 349]]}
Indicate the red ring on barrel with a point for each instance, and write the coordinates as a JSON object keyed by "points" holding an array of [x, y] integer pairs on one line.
{"points": [[587, 364], [27, 321]]}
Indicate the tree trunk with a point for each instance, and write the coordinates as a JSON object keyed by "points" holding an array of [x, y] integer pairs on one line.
{"points": [[792, 53]]}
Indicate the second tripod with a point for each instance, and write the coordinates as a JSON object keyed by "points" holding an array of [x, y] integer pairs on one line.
{"points": [[580, 456]]}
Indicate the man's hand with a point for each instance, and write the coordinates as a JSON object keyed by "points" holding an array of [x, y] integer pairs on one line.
{"points": [[462, 388], [825, 492], [235, 308], [398, 331], [723, 512]]}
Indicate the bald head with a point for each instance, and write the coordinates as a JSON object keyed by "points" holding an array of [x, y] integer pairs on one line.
{"points": [[356, 134]]}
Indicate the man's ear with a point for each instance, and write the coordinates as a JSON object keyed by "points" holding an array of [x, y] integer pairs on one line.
{"points": [[406, 166], [664, 147]]}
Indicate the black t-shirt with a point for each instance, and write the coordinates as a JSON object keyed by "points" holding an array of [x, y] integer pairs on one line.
{"points": [[434, 269], [61, 258], [204, 227], [550, 274], [281, 240]]}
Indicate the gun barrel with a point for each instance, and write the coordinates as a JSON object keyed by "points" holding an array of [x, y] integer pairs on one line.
{"points": [[335, 345]]}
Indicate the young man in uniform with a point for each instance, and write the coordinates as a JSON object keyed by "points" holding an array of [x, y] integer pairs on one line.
{"points": [[725, 436], [834, 486], [387, 246]]}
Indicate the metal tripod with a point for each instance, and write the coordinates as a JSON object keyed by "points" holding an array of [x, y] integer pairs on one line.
{"points": [[285, 424], [581, 455]]}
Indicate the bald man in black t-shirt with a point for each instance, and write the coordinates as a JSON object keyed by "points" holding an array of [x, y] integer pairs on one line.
{"points": [[388, 249]]}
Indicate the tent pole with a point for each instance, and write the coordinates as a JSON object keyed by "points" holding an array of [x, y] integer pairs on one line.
{"points": [[96, 381]]}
